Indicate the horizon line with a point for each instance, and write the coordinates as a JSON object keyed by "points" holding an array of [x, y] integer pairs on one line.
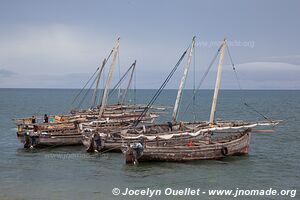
{"points": [[276, 89]]}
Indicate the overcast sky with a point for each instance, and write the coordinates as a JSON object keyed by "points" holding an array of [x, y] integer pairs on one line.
{"points": [[59, 44]]}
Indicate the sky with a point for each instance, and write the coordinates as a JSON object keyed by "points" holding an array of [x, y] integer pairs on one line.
{"points": [[60, 43]]}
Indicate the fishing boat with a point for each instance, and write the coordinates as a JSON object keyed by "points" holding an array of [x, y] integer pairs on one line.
{"points": [[113, 139], [232, 138], [217, 142], [63, 129]]}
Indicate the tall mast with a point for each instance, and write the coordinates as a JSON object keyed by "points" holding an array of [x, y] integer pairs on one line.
{"points": [[186, 69], [97, 84], [217, 85], [129, 82], [108, 81]]}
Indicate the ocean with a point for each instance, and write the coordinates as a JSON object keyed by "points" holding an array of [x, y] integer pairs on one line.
{"points": [[71, 173]]}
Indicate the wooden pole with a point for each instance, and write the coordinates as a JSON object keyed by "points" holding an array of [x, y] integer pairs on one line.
{"points": [[217, 85], [129, 82], [97, 84], [109, 79], [182, 82]]}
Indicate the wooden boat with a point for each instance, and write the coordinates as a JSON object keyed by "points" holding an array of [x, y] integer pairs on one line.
{"points": [[57, 136], [236, 141], [67, 132], [114, 139], [158, 134], [215, 142], [218, 148], [63, 130]]}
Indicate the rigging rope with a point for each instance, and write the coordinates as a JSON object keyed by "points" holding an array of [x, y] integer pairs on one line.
{"points": [[86, 93], [203, 78], [91, 79], [120, 81], [158, 92], [78, 94], [239, 85]]}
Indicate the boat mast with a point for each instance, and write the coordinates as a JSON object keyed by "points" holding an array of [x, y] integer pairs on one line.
{"points": [[129, 82], [186, 69], [217, 85], [97, 84], [108, 82]]}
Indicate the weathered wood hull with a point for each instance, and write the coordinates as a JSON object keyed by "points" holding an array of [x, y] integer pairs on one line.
{"points": [[183, 153], [60, 140], [65, 137], [115, 144], [52, 140]]}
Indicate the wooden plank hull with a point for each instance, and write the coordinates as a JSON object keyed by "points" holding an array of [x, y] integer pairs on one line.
{"points": [[65, 137], [116, 144], [114, 141], [182, 153], [51, 140], [60, 140]]}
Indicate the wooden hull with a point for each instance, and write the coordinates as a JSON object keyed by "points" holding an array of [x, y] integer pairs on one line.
{"points": [[116, 144], [182, 153], [52, 140], [60, 140], [91, 145], [64, 137]]}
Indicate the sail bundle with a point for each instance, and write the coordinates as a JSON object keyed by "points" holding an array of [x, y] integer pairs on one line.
{"points": [[201, 131]]}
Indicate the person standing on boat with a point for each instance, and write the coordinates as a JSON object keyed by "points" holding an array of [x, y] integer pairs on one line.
{"points": [[76, 124], [97, 139], [170, 125], [46, 118], [138, 149], [33, 119], [33, 136]]}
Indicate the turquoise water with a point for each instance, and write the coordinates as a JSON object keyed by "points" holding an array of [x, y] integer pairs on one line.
{"points": [[70, 173]]}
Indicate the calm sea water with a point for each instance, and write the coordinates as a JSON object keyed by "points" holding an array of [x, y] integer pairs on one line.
{"points": [[70, 173]]}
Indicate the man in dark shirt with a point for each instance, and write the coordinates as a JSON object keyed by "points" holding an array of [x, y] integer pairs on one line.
{"points": [[97, 139], [33, 119], [46, 119]]}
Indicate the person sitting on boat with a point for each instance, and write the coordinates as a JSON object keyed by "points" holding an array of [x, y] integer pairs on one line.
{"points": [[46, 118], [33, 119], [97, 139]]}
